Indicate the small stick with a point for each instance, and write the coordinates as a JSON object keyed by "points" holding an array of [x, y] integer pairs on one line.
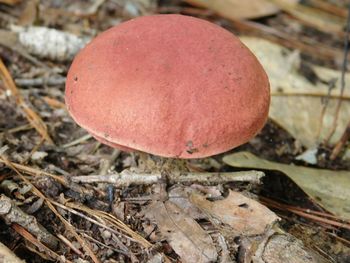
{"points": [[11, 214], [328, 7], [77, 141], [20, 128], [316, 218], [344, 138], [127, 178], [28, 236], [100, 243], [70, 245], [51, 81]]}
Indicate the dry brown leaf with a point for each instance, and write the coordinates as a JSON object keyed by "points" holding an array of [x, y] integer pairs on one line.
{"points": [[179, 196], [246, 216], [296, 103], [182, 232], [237, 9], [287, 249]]}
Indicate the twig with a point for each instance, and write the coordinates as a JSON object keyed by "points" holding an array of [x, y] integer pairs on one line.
{"points": [[53, 103], [325, 100], [25, 234], [304, 213], [33, 171], [340, 144], [314, 94], [70, 245], [101, 244], [77, 141], [347, 242], [13, 214], [51, 81], [342, 83], [24, 127], [127, 178], [328, 7]]}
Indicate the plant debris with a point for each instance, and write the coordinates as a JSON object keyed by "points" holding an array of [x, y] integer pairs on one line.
{"points": [[65, 197]]}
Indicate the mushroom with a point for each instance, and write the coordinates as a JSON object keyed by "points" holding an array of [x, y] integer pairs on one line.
{"points": [[169, 85]]}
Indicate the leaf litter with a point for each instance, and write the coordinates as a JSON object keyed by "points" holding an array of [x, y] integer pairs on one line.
{"points": [[210, 216]]}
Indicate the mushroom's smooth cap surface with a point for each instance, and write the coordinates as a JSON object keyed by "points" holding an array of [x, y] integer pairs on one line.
{"points": [[170, 85]]}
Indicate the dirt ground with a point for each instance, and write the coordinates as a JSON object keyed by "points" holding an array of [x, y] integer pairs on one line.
{"points": [[57, 216]]}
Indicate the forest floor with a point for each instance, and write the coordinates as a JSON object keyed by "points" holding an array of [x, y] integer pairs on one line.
{"points": [[49, 212]]}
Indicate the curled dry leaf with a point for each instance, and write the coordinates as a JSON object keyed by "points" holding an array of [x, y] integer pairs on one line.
{"points": [[246, 216], [182, 232], [328, 188]]}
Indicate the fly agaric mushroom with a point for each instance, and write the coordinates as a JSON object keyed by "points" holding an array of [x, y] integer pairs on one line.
{"points": [[169, 85]]}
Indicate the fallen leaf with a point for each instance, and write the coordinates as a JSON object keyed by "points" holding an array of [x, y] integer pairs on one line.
{"points": [[245, 215], [321, 20], [183, 233], [237, 9], [179, 196], [296, 103], [330, 189], [287, 249]]}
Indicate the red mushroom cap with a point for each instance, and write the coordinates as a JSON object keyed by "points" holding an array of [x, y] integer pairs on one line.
{"points": [[170, 85]]}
